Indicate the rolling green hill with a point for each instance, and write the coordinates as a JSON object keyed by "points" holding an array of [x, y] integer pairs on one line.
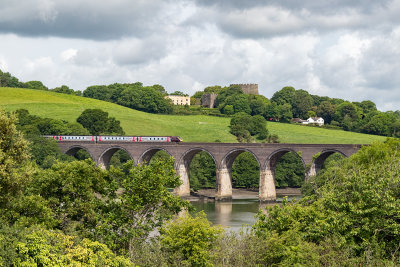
{"points": [[191, 128]]}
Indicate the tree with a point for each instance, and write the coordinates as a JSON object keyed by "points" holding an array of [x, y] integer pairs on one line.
{"points": [[7, 80], [179, 93], [64, 90], [302, 103], [326, 110], [143, 206], [74, 191], [202, 171], [245, 171], [97, 122], [258, 104], [285, 112], [38, 85], [36, 246], [380, 124], [352, 210], [190, 239], [15, 168], [285, 95], [289, 171], [347, 109]]}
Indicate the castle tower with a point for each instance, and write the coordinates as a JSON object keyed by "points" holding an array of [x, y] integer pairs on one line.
{"points": [[248, 88]]}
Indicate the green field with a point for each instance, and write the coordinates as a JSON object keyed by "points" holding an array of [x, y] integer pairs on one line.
{"points": [[194, 128]]}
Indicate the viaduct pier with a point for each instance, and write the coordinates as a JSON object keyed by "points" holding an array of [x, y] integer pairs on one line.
{"points": [[223, 154]]}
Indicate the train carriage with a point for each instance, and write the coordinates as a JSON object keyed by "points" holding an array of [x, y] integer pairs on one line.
{"points": [[111, 138]]}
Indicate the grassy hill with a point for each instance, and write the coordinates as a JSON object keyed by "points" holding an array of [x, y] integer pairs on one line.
{"points": [[191, 128]]}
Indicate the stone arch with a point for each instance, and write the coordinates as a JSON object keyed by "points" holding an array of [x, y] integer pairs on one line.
{"points": [[105, 157], [274, 157], [267, 174], [230, 157], [224, 173], [149, 153], [71, 151], [182, 169], [318, 162]]}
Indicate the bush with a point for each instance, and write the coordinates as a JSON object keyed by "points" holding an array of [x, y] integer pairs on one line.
{"points": [[190, 239]]}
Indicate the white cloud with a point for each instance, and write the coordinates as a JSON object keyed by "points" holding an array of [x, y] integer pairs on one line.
{"points": [[3, 64], [68, 54]]}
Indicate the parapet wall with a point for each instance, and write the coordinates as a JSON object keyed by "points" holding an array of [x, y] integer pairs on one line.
{"points": [[248, 88]]}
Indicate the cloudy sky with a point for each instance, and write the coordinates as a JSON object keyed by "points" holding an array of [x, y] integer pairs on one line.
{"points": [[339, 48]]}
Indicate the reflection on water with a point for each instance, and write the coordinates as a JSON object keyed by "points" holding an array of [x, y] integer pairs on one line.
{"points": [[232, 215]]}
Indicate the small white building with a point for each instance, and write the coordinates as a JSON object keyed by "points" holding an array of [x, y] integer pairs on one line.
{"points": [[315, 120], [179, 100]]}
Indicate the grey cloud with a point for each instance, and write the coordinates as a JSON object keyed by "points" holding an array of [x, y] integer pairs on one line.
{"points": [[137, 51], [257, 19], [100, 20]]}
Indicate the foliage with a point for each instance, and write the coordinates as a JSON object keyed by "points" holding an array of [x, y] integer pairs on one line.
{"points": [[63, 89], [135, 95], [180, 93], [356, 204], [7, 80], [289, 171], [36, 246], [202, 171], [190, 238], [15, 168], [72, 190], [97, 122], [243, 126], [142, 206], [302, 103], [245, 171], [37, 85]]}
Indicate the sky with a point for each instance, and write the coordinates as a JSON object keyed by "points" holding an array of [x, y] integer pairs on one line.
{"points": [[336, 48]]}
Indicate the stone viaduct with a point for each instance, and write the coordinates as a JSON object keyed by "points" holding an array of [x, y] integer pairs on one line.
{"points": [[267, 155]]}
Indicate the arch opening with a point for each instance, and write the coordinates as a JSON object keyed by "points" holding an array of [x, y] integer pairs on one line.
{"points": [[79, 153], [287, 165], [119, 158], [239, 168], [202, 172], [153, 154], [198, 175], [245, 171], [115, 155], [325, 158], [289, 171]]}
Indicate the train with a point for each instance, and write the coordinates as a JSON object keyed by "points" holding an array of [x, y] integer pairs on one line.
{"points": [[110, 138]]}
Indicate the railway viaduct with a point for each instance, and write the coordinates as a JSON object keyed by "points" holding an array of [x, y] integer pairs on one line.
{"points": [[267, 155]]}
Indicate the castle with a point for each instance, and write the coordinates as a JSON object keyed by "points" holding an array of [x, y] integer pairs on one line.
{"points": [[248, 88], [210, 100]]}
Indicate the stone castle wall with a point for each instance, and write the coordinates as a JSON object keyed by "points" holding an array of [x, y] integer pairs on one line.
{"points": [[248, 88], [209, 100]]}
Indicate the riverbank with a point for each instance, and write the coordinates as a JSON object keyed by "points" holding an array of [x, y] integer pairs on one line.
{"points": [[239, 193]]}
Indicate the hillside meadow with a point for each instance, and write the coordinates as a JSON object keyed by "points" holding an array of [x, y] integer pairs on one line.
{"points": [[196, 128]]}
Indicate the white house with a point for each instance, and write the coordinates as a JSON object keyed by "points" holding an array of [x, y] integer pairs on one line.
{"points": [[315, 120]]}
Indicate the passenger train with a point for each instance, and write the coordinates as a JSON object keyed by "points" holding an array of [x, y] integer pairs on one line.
{"points": [[109, 138]]}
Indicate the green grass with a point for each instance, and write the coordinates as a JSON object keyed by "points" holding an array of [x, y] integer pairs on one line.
{"points": [[197, 128]]}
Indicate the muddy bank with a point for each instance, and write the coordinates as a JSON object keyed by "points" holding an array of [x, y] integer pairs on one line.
{"points": [[209, 194]]}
